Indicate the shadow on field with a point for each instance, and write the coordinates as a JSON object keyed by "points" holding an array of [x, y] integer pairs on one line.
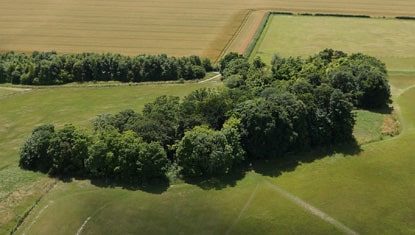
{"points": [[275, 167], [156, 186], [220, 182], [267, 167], [384, 110]]}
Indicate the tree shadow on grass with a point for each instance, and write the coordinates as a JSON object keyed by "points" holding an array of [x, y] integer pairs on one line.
{"points": [[154, 186], [267, 167], [220, 182], [387, 109], [275, 167]]}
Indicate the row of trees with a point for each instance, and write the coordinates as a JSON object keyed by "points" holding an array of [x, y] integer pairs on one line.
{"points": [[50, 68], [260, 114], [107, 153]]}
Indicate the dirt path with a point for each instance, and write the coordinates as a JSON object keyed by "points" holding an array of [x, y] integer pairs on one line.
{"points": [[218, 76], [313, 210]]}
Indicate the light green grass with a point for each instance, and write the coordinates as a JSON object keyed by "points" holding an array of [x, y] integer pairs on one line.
{"points": [[368, 126], [21, 111], [369, 192], [390, 40]]}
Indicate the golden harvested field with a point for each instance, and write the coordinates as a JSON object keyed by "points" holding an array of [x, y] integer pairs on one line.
{"points": [[175, 27]]}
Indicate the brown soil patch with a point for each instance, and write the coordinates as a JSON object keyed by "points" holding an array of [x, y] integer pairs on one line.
{"points": [[390, 126]]}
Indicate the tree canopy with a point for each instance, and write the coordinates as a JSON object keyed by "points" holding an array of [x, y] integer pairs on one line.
{"points": [[264, 112]]}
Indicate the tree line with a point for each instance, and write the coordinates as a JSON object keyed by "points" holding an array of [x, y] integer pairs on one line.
{"points": [[295, 105], [50, 68]]}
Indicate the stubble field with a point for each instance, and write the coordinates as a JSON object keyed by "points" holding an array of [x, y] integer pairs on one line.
{"points": [[175, 27]]}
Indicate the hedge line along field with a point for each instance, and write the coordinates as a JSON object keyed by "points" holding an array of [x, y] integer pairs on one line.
{"points": [[23, 108], [367, 192], [175, 27], [389, 40]]}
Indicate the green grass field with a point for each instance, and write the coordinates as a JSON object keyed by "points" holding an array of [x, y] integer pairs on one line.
{"points": [[387, 39], [370, 192], [21, 110]]}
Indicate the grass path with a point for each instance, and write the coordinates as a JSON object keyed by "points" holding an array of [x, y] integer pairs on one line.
{"points": [[248, 202], [313, 210]]}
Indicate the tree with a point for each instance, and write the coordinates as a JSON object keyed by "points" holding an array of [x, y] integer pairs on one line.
{"points": [[286, 68], [34, 153], [123, 120], [341, 117], [238, 66], [234, 81], [125, 156], [204, 106], [153, 162], [204, 152], [68, 150], [103, 154], [344, 80], [223, 63], [374, 88], [160, 121], [140, 161], [267, 130]]}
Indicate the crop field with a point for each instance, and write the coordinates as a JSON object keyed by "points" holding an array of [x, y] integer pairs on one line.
{"points": [[175, 27]]}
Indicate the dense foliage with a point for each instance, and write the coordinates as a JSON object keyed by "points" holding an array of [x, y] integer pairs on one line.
{"points": [[295, 105], [50, 68]]}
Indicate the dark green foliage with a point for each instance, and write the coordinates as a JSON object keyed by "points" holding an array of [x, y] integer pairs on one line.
{"points": [[68, 150], [285, 68], [224, 62], [362, 78], [104, 154], [50, 68], [239, 66], [34, 153], [125, 156], [234, 81], [341, 117], [204, 106], [159, 122], [206, 152], [267, 130], [375, 90]]}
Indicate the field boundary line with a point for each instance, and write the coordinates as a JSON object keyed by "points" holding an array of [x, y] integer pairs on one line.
{"points": [[36, 218], [246, 205], [22, 219], [313, 210], [258, 34], [235, 35]]}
